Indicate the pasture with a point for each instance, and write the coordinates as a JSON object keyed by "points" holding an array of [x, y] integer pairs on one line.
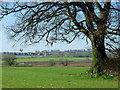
{"points": [[52, 77], [23, 58], [52, 59]]}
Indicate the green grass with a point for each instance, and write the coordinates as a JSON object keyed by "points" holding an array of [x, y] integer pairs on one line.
{"points": [[52, 77], [0, 77], [0, 61], [48, 59], [26, 56]]}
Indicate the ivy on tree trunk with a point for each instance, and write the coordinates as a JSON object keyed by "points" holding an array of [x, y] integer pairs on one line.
{"points": [[100, 59]]}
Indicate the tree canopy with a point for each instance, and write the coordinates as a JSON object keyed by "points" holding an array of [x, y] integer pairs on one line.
{"points": [[65, 21], [62, 19]]}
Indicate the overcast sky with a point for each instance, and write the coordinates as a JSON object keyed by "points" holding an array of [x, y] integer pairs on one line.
{"points": [[7, 44]]}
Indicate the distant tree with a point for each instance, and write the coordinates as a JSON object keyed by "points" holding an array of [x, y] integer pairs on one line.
{"points": [[9, 59], [65, 21], [37, 52]]}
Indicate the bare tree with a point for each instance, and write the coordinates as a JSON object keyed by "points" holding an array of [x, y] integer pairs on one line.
{"points": [[66, 21]]}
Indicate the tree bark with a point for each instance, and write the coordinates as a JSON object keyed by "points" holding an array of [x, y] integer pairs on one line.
{"points": [[100, 59]]}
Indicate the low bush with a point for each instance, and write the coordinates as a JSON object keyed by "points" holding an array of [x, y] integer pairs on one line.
{"points": [[65, 63], [114, 66], [51, 63], [9, 59]]}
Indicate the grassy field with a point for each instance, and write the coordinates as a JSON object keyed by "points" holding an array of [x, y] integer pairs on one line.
{"points": [[52, 77], [26, 56], [50, 59], [0, 78]]}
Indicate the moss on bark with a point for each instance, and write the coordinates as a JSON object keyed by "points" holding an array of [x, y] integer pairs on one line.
{"points": [[100, 59]]}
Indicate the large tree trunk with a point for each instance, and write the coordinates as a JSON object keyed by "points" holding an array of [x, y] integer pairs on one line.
{"points": [[100, 58]]}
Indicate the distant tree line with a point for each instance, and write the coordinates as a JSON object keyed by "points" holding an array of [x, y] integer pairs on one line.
{"points": [[55, 53]]}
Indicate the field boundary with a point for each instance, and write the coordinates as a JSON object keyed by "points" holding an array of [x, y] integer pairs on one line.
{"points": [[56, 63]]}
